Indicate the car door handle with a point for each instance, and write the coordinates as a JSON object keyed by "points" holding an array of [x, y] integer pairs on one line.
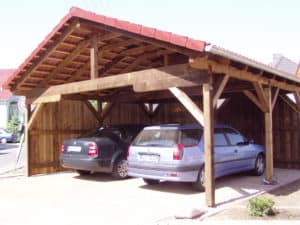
{"points": [[235, 150]]}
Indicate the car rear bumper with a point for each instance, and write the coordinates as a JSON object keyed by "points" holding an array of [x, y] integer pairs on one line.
{"points": [[167, 173], [89, 164]]}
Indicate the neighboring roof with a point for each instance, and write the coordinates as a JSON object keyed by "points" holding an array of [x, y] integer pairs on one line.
{"points": [[107, 24], [282, 63], [4, 74]]}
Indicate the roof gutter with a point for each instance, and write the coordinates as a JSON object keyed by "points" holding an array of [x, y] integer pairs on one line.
{"points": [[244, 60]]}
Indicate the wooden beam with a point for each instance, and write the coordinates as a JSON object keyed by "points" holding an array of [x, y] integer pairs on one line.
{"points": [[254, 99], [35, 113], [94, 57], [203, 63], [274, 99], [93, 110], [269, 137], [73, 26], [219, 89], [107, 109], [209, 145], [142, 81], [261, 94], [44, 99], [188, 104], [290, 103], [27, 141]]}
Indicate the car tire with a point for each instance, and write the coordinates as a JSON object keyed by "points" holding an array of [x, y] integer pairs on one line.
{"points": [[3, 140], [260, 164], [151, 181], [83, 172], [120, 169], [199, 185]]}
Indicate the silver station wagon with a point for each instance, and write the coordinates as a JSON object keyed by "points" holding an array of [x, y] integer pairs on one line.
{"points": [[175, 152]]}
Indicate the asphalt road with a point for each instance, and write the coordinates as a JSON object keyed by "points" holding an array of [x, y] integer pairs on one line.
{"points": [[9, 154]]}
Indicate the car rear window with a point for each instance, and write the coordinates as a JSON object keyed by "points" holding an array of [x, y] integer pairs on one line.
{"points": [[157, 137], [168, 138]]}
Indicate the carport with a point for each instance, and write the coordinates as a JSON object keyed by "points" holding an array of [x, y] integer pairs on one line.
{"points": [[139, 74]]}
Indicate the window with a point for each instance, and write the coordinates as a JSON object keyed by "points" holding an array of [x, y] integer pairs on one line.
{"points": [[234, 137], [190, 137], [220, 139]]}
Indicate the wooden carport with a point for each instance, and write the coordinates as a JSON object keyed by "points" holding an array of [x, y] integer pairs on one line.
{"points": [[92, 57]]}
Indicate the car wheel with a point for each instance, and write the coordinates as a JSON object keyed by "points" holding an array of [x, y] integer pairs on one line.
{"points": [[3, 140], [83, 172], [151, 181], [120, 170], [199, 185], [259, 165]]}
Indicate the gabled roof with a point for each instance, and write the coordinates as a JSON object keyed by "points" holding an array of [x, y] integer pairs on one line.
{"points": [[64, 55], [78, 25], [4, 74]]}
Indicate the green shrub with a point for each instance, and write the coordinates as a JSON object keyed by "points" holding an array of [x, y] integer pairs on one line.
{"points": [[260, 206], [13, 125]]}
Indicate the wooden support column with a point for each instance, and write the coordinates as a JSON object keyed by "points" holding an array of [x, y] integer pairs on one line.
{"points": [[209, 145], [94, 57], [269, 136], [26, 142]]}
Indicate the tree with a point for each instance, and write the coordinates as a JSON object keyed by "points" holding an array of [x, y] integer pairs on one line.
{"points": [[13, 124]]}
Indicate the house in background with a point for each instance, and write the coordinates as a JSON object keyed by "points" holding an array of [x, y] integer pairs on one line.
{"points": [[284, 64], [9, 104]]}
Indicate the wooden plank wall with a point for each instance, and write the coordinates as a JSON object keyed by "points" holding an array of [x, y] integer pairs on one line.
{"points": [[55, 123], [246, 117], [64, 120]]}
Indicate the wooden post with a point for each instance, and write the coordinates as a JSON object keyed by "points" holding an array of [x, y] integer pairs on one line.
{"points": [[269, 136], [26, 143], [94, 57], [208, 145]]}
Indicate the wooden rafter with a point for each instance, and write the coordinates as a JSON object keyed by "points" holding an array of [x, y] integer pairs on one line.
{"points": [[107, 67], [81, 46], [144, 57], [73, 26]]}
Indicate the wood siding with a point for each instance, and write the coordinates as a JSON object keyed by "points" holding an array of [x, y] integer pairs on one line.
{"points": [[67, 119]]}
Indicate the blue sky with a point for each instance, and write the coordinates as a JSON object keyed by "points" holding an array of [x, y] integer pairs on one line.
{"points": [[254, 28]]}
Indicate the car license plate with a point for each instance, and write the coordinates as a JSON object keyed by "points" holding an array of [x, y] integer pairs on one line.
{"points": [[149, 158], [74, 148]]}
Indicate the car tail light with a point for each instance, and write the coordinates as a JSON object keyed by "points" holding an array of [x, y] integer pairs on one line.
{"points": [[93, 150], [178, 152], [128, 152], [62, 149]]}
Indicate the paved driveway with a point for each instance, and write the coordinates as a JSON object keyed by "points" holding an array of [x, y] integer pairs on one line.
{"points": [[66, 198]]}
